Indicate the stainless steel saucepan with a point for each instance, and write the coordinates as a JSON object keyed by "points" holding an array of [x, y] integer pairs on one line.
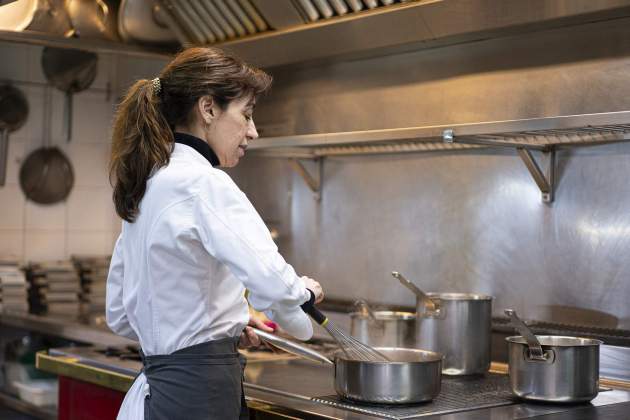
{"points": [[382, 328], [411, 375], [552, 368]]}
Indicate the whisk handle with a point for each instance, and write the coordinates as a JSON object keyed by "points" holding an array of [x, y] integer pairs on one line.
{"points": [[310, 309]]}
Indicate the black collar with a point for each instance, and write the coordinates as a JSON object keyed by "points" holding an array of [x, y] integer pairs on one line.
{"points": [[199, 145]]}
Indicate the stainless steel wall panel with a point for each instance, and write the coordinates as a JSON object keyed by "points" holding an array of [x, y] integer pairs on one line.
{"points": [[465, 220]]}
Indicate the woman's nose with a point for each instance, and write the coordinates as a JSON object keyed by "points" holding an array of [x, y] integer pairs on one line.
{"points": [[252, 133]]}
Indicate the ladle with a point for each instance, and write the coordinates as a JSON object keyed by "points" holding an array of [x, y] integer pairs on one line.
{"points": [[13, 114], [429, 304], [535, 349]]}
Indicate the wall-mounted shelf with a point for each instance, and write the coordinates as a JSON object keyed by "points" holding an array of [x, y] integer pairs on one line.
{"points": [[542, 134], [95, 45]]}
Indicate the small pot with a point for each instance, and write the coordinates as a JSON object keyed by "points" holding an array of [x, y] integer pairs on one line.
{"points": [[383, 328], [569, 373], [552, 368]]}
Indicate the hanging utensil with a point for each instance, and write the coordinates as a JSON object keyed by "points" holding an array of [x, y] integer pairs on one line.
{"points": [[550, 368], [70, 71], [46, 175], [45, 16], [94, 19], [13, 114]]}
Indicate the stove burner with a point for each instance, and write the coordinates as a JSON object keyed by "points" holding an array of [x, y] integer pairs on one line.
{"points": [[127, 353]]}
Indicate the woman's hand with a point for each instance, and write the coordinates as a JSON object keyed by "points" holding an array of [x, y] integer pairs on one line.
{"points": [[315, 287], [249, 337]]}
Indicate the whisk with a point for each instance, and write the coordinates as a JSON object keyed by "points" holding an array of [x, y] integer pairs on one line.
{"points": [[351, 347]]}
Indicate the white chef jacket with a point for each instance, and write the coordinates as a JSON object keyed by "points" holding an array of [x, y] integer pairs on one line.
{"points": [[178, 272]]}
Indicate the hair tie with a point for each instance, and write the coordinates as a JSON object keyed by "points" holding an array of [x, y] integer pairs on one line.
{"points": [[157, 86]]}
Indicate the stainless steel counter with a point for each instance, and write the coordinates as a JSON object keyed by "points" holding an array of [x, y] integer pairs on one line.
{"points": [[82, 330], [289, 386]]}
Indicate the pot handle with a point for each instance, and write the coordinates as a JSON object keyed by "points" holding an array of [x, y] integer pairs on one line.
{"points": [[535, 349], [549, 356], [430, 306]]}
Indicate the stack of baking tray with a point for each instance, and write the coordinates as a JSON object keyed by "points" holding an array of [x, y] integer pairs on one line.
{"points": [[13, 288], [62, 288], [93, 273]]}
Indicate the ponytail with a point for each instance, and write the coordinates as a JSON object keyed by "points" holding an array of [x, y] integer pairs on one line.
{"points": [[142, 142]]}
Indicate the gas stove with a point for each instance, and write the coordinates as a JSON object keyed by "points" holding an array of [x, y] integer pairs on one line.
{"points": [[122, 353]]}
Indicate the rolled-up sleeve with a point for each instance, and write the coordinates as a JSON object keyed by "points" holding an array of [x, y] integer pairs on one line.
{"points": [[232, 231], [115, 312]]}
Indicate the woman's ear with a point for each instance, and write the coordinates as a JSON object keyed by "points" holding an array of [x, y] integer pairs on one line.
{"points": [[206, 108]]}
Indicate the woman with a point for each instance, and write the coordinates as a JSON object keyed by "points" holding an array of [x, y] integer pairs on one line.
{"points": [[191, 241]]}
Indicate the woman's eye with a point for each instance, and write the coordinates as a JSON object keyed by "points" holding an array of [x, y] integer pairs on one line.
{"points": [[248, 117]]}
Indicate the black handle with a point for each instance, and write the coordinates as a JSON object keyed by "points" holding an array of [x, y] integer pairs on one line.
{"points": [[309, 308]]}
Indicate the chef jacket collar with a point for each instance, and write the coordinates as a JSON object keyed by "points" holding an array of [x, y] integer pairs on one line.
{"points": [[199, 145]]}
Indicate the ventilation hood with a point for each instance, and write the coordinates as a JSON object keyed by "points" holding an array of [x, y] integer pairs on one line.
{"points": [[282, 32], [273, 33]]}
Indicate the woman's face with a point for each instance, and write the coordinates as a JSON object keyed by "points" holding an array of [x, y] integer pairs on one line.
{"points": [[231, 129]]}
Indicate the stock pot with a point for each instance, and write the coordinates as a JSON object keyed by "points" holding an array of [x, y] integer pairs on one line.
{"points": [[458, 325]]}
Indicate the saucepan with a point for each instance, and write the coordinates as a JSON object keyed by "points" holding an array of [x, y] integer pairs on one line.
{"points": [[382, 328], [458, 325], [552, 368], [411, 375]]}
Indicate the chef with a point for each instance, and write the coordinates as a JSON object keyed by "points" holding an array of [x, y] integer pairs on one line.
{"points": [[191, 242]]}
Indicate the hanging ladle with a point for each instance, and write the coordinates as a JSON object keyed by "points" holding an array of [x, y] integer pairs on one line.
{"points": [[13, 114], [428, 303], [535, 349]]}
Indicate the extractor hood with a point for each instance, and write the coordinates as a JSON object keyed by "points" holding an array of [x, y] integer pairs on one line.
{"points": [[281, 32], [272, 33]]}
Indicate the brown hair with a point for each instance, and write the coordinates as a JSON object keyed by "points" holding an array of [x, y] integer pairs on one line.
{"points": [[142, 138]]}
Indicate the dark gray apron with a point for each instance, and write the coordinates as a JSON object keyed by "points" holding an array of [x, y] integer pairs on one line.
{"points": [[200, 382]]}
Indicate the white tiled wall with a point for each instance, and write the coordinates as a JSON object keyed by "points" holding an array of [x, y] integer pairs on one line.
{"points": [[86, 222]]}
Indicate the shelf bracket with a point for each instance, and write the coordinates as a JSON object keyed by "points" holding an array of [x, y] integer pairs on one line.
{"points": [[314, 182], [546, 183]]}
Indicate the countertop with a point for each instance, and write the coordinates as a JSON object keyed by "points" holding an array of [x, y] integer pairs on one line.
{"points": [[287, 386]]}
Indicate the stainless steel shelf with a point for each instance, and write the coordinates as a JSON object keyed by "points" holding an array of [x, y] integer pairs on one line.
{"points": [[66, 327], [110, 47], [543, 134], [534, 133]]}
